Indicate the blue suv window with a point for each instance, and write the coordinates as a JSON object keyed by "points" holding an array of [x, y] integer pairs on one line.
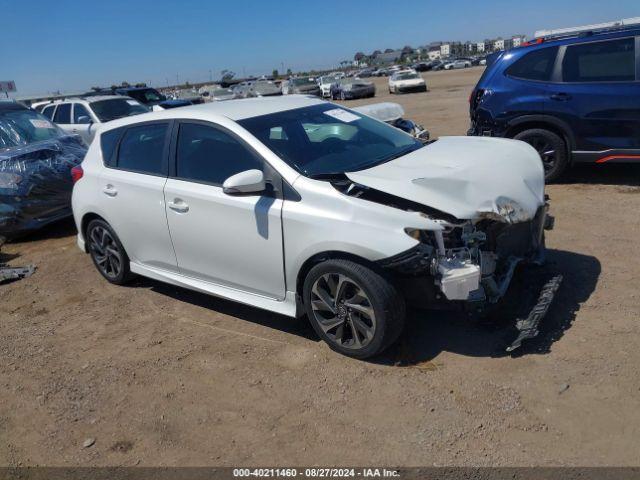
{"points": [[536, 65], [609, 61]]}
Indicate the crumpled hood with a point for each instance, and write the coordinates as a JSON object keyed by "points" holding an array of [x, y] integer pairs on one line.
{"points": [[467, 177]]}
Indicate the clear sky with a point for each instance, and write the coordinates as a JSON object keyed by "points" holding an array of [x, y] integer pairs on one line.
{"points": [[66, 45]]}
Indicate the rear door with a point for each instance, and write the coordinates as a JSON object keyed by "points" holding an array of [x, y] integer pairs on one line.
{"points": [[131, 192], [229, 240], [597, 92]]}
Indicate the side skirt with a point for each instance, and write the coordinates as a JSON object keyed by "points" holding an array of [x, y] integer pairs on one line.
{"points": [[288, 306]]}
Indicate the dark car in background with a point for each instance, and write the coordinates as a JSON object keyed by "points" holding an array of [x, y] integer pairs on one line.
{"points": [[150, 97], [574, 97], [36, 162], [352, 88]]}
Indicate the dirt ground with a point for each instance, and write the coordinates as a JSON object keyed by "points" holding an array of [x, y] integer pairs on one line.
{"points": [[158, 375]]}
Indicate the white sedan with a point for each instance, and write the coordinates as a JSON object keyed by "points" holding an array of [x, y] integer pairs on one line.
{"points": [[406, 81], [299, 206]]}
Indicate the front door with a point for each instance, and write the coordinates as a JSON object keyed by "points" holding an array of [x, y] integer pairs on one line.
{"points": [[234, 241]]}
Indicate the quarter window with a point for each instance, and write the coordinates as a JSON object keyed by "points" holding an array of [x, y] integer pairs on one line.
{"points": [[612, 61], [209, 155], [536, 65], [79, 110], [63, 114], [142, 149]]}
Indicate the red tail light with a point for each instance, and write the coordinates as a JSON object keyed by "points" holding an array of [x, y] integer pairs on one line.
{"points": [[76, 173]]}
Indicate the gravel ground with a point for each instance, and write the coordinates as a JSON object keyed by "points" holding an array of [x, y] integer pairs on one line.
{"points": [[149, 374]]}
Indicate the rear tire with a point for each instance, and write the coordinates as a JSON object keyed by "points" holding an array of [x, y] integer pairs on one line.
{"points": [[551, 148], [107, 252], [356, 311]]}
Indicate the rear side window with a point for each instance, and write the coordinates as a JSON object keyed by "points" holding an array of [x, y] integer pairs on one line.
{"points": [[63, 114], [208, 155], [108, 144], [142, 149], [612, 61], [48, 111], [536, 65]]}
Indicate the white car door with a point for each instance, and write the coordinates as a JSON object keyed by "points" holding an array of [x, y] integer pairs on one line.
{"points": [[83, 122], [131, 192], [228, 240]]}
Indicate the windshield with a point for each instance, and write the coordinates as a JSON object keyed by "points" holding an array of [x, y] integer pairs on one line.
{"points": [[22, 127], [407, 76], [107, 110], [326, 140], [148, 95], [300, 82]]}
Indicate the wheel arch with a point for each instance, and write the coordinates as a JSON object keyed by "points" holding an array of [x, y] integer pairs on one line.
{"points": [[84, 223], [545, 122], [329, 255]]}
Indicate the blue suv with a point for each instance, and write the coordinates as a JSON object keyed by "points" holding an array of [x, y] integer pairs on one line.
{"points": [[574, 98]]}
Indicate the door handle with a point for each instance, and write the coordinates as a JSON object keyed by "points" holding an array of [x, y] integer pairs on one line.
{"points": [[110, 190], [178, 206], [561, 97]]}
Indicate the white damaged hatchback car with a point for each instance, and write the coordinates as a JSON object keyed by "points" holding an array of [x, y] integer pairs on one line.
{"points": [[297, 205]]}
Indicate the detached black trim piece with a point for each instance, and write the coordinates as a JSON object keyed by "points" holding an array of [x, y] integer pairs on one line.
{"points": [[414, 261], [528, 327]]}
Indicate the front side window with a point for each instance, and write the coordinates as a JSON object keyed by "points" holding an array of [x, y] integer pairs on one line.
{"points": [[536, 65], [326, 140], [80, 114], [142, 149], [611, 61], [63, 114], [209, 155]]}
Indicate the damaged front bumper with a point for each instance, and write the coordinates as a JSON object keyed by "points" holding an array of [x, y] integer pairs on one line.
{"points": [[471, 265]]}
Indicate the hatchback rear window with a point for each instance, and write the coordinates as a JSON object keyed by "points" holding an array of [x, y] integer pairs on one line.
{"points": [[536, 65], [609, 61]]}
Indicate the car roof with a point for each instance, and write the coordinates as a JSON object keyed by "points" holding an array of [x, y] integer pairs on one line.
{"points": [[233, 109], [89, 99]]}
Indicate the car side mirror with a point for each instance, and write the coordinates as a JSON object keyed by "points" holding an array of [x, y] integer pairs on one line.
{"points": [[247, 182], [83, 119]]}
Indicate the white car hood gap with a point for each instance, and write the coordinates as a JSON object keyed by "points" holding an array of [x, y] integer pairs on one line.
{"points": [[467, 177]]}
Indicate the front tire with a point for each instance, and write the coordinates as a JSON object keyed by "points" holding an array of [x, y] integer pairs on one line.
{"points": [[356, 311], [551, 148], [107, 252]]}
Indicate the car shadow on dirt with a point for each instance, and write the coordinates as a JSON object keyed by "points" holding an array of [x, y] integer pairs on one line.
{"points": [[275, 321], [623, 174], [59, 229], [429, 333]]}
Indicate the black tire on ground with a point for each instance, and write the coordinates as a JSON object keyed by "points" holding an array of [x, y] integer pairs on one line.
{"points": [[363, 304], [107, 252], [552, 150]]}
